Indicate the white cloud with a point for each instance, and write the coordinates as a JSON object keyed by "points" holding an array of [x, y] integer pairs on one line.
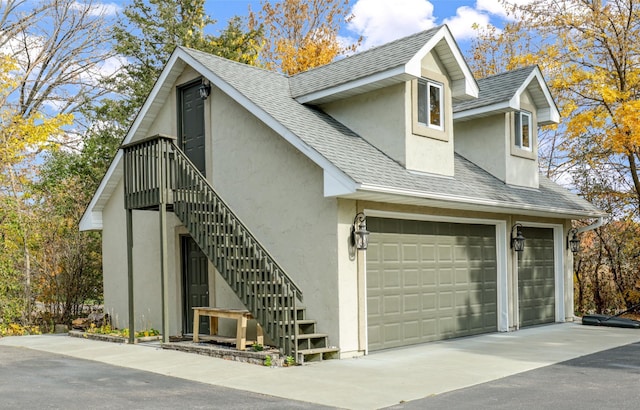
{"points": [[461, 25], [381, 21], [111, 65], [99, 9]]}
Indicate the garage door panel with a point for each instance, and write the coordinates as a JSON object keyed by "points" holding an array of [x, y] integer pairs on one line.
{"points": [[429, 328], [409, 252], [445, 277], [391, 279], [462, 277], [429, 277], [445, 300], [427, 253], [429, 303], [391, 304], [411, 303], [410, 278], [445, 254]]}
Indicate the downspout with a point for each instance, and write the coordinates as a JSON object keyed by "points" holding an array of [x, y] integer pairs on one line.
{"points": [[591, 227]]}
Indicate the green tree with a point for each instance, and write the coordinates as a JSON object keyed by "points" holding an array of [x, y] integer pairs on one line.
{"points": [[150, 32]]}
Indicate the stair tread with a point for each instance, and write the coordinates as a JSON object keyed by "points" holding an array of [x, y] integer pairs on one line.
{"points": [[319, 350], [311, 335]]}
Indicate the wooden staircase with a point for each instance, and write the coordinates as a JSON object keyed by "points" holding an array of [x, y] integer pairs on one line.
{"points": [[156, 170]]}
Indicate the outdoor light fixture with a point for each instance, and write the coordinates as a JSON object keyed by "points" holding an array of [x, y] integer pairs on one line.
{"points": [[574, 242], [359, 233], [517, 242], [204, 90]]}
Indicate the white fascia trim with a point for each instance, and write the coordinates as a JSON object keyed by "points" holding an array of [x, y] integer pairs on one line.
{"points": [[329, 168], [498, 107], [550, 116], [92, 218], [519, 209], [91, 221], [414, 66], [501, 251], [371, 79]]}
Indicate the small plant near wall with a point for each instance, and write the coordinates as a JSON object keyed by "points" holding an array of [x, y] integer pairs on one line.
{"points": [[106, 329], [267, 361], [289, 361], [257, 347]]}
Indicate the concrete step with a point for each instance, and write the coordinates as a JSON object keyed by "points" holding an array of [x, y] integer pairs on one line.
{"points": [[317, 355]]}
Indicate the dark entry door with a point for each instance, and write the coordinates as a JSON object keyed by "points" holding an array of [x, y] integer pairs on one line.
{"points": [[196, 283], [191, 130]]}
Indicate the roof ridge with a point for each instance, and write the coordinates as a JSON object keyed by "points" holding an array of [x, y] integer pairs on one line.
{"points": [[529, 67], [370, 50], [227, 60]]}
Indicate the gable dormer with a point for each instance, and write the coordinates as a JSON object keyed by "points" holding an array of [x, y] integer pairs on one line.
{"points": [[499, 130], [397, 96]]}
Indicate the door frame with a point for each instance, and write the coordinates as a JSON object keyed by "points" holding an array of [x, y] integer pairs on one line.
{"points": [[501, 262]]}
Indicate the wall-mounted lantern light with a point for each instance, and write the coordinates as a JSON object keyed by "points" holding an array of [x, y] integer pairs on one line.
{"points": [[204, 90], [573, 242], [517, 241], [359, 233]]}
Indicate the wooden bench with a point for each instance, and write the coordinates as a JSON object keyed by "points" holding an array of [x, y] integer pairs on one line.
{"points": [[240, 315]]}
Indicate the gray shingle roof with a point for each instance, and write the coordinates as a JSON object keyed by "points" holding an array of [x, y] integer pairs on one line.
{"points": [[366, 63], [337, 144], [496, 89]]}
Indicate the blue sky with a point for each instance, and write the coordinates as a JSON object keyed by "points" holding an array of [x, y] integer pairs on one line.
{"points": [[380, 21]]}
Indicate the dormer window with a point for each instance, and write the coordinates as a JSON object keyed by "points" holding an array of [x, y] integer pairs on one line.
{"points": [[523, 130], [430, 104]]}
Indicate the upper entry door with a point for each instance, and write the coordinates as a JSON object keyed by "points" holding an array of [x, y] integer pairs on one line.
{"points": [[191, 124]]}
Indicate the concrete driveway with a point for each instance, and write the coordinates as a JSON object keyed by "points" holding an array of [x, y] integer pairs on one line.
{"points": [[378, 380], [604, 380], [32, 379]]}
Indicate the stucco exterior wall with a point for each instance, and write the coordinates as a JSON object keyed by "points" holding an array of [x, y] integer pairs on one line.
{"points": [[484, 142], [377, 116], [278, 193], [114, 258], [146, 266]]}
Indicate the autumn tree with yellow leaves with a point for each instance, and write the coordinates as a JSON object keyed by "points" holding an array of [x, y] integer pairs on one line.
{"points": [[52, 52], [22, 136], [589, 51], [302, 34]]}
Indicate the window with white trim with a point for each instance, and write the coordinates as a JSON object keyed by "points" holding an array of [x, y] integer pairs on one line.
{"points": [[430, 104], [523, 130]]}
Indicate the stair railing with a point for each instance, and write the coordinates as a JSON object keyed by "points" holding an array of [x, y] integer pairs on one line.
{"points": [[262, 285]]}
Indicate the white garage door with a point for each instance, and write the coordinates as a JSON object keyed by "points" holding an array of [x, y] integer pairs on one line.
{"points": [[536, 279], [428, 281]]}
